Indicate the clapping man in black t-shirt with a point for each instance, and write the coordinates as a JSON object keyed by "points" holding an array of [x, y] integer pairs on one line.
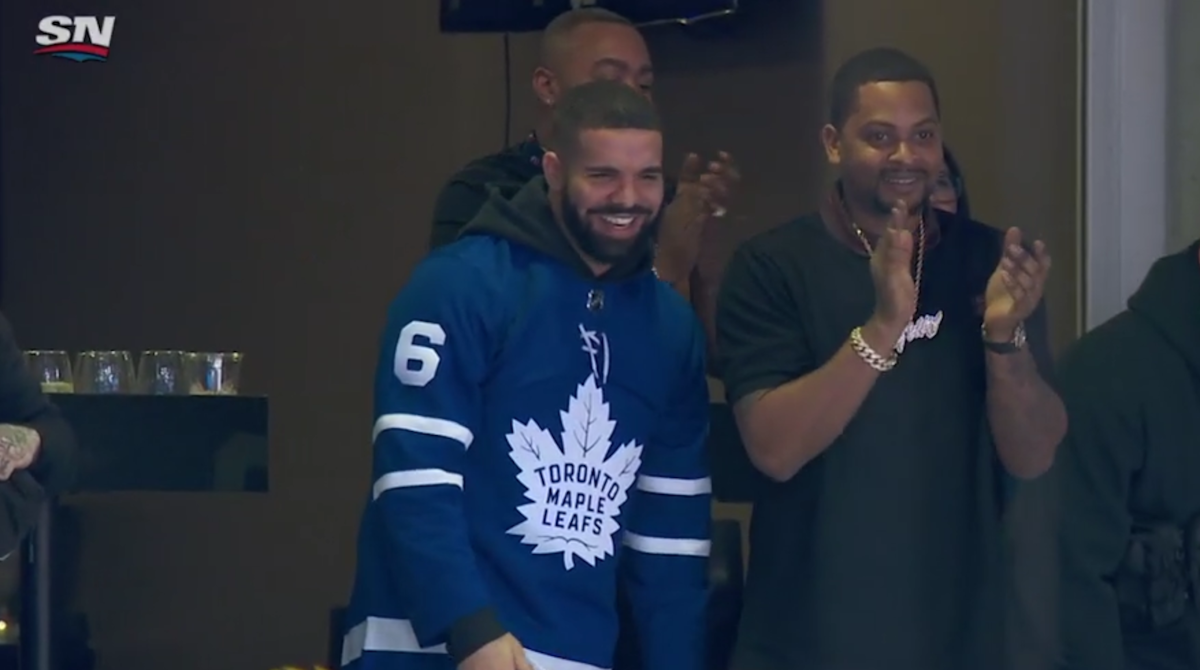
{"points": [[883, 359]]}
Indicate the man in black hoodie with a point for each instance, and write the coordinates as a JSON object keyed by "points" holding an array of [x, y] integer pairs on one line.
{"points": [[1118, 517], [37, 447]]}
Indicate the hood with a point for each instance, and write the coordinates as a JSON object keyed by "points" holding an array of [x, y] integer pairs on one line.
{"points": [[528, 220], [1169, 299]]}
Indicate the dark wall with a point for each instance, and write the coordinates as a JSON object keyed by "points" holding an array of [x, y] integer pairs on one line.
{"points": [[260, 177]]}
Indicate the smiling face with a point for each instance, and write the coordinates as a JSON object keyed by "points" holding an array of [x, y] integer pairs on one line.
{"points": [[890, 148], [610, 189]]}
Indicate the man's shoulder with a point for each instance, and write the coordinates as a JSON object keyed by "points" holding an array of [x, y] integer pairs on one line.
{"points": [[512, 166], [1121, 359], [779, 253], [471, 268], [788, 240], [1111, 347]]}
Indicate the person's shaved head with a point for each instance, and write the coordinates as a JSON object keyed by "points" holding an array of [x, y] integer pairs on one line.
{"points": [[590, 44], [556, 38]]}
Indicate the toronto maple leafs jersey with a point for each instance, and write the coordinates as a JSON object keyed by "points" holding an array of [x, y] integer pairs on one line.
{"points": [[535, 427]]}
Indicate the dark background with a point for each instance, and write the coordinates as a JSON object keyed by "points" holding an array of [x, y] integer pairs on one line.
{"points": [[260, 176]]}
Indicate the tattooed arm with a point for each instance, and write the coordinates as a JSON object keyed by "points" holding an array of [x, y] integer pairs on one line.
{"points": [[19, 447], [34, 436]]}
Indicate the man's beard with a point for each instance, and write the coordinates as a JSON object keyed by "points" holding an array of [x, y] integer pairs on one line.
{"points": [[603, 249]]}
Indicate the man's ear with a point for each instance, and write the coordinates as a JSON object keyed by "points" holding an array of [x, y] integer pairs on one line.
{"points": [[552, 168], [545, 86], [832, 141]]}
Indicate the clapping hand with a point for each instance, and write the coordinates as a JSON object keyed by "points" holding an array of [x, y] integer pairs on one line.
{"points": [[891, 271], [1016, 287], [704, 194], [713, 184]]}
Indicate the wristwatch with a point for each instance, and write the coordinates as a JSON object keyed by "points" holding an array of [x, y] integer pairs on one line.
{"points": [[1017, 343]]}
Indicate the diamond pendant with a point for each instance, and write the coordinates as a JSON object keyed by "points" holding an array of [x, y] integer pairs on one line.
{"points": [[922, 328]]}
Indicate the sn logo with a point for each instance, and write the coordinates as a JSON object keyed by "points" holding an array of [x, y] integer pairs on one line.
{"points": [[77, 38]]}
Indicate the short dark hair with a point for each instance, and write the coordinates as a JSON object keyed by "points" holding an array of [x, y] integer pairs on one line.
{"points": [[870, 67], [559, 29], [599, 105]]}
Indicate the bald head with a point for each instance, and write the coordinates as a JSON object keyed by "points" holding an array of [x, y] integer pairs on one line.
{"points": [[590, 44]]}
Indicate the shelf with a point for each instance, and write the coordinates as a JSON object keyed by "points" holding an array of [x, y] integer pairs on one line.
{"points": [[169, 443]]}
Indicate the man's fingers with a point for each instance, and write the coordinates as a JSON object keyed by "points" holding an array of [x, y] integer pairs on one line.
{"points": [[1030, 267], [899, 216], [731, 168], [718, 187], [1012, 237], [693, 166], [1042, 256], [1024, 266], [897, 248], [1011, 283], [1026, 281]]}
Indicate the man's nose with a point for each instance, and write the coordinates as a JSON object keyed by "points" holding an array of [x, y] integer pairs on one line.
{"points": [[903, 153], [625, 194]]}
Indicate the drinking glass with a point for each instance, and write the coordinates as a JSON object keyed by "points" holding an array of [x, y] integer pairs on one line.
{"points": [[214, 373], [52, 370], [105, 372], [162, 372]]}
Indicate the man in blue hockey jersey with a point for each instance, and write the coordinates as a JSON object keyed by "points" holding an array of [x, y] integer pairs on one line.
{"points": [[541, 409]]}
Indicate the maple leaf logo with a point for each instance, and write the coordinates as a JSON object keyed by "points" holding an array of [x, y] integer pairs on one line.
{"points": [[575, 491]]}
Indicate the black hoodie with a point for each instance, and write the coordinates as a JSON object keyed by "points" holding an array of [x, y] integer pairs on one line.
{"points": [[1132, 457], [23, 403], [528, 220]]}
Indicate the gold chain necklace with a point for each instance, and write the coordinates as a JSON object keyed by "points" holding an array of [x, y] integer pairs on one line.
{"points": [[862, 237]]}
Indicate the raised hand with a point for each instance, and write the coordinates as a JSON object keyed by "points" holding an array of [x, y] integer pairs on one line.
{"points": [[503, 653], [1016, 287], [704, 192], [891, 271], [720, 180]]}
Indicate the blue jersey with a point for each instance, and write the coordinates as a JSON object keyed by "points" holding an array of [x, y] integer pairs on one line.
{"points": [[534, 428]]}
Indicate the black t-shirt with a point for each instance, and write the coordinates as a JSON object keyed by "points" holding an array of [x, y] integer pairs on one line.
{"points": [[507, 172], [883, 552]]}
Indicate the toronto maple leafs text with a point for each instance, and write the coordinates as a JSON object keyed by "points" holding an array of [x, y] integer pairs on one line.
{"points": [[576, 495]]}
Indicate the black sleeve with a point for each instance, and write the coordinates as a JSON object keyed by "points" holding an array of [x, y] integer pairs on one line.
{"points": [[23, 403], [761, 342], [1093, 473], [459, 201]]}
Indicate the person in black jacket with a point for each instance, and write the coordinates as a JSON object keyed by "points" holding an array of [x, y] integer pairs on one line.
{"points": [[37, 446], [1108, 543]]}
